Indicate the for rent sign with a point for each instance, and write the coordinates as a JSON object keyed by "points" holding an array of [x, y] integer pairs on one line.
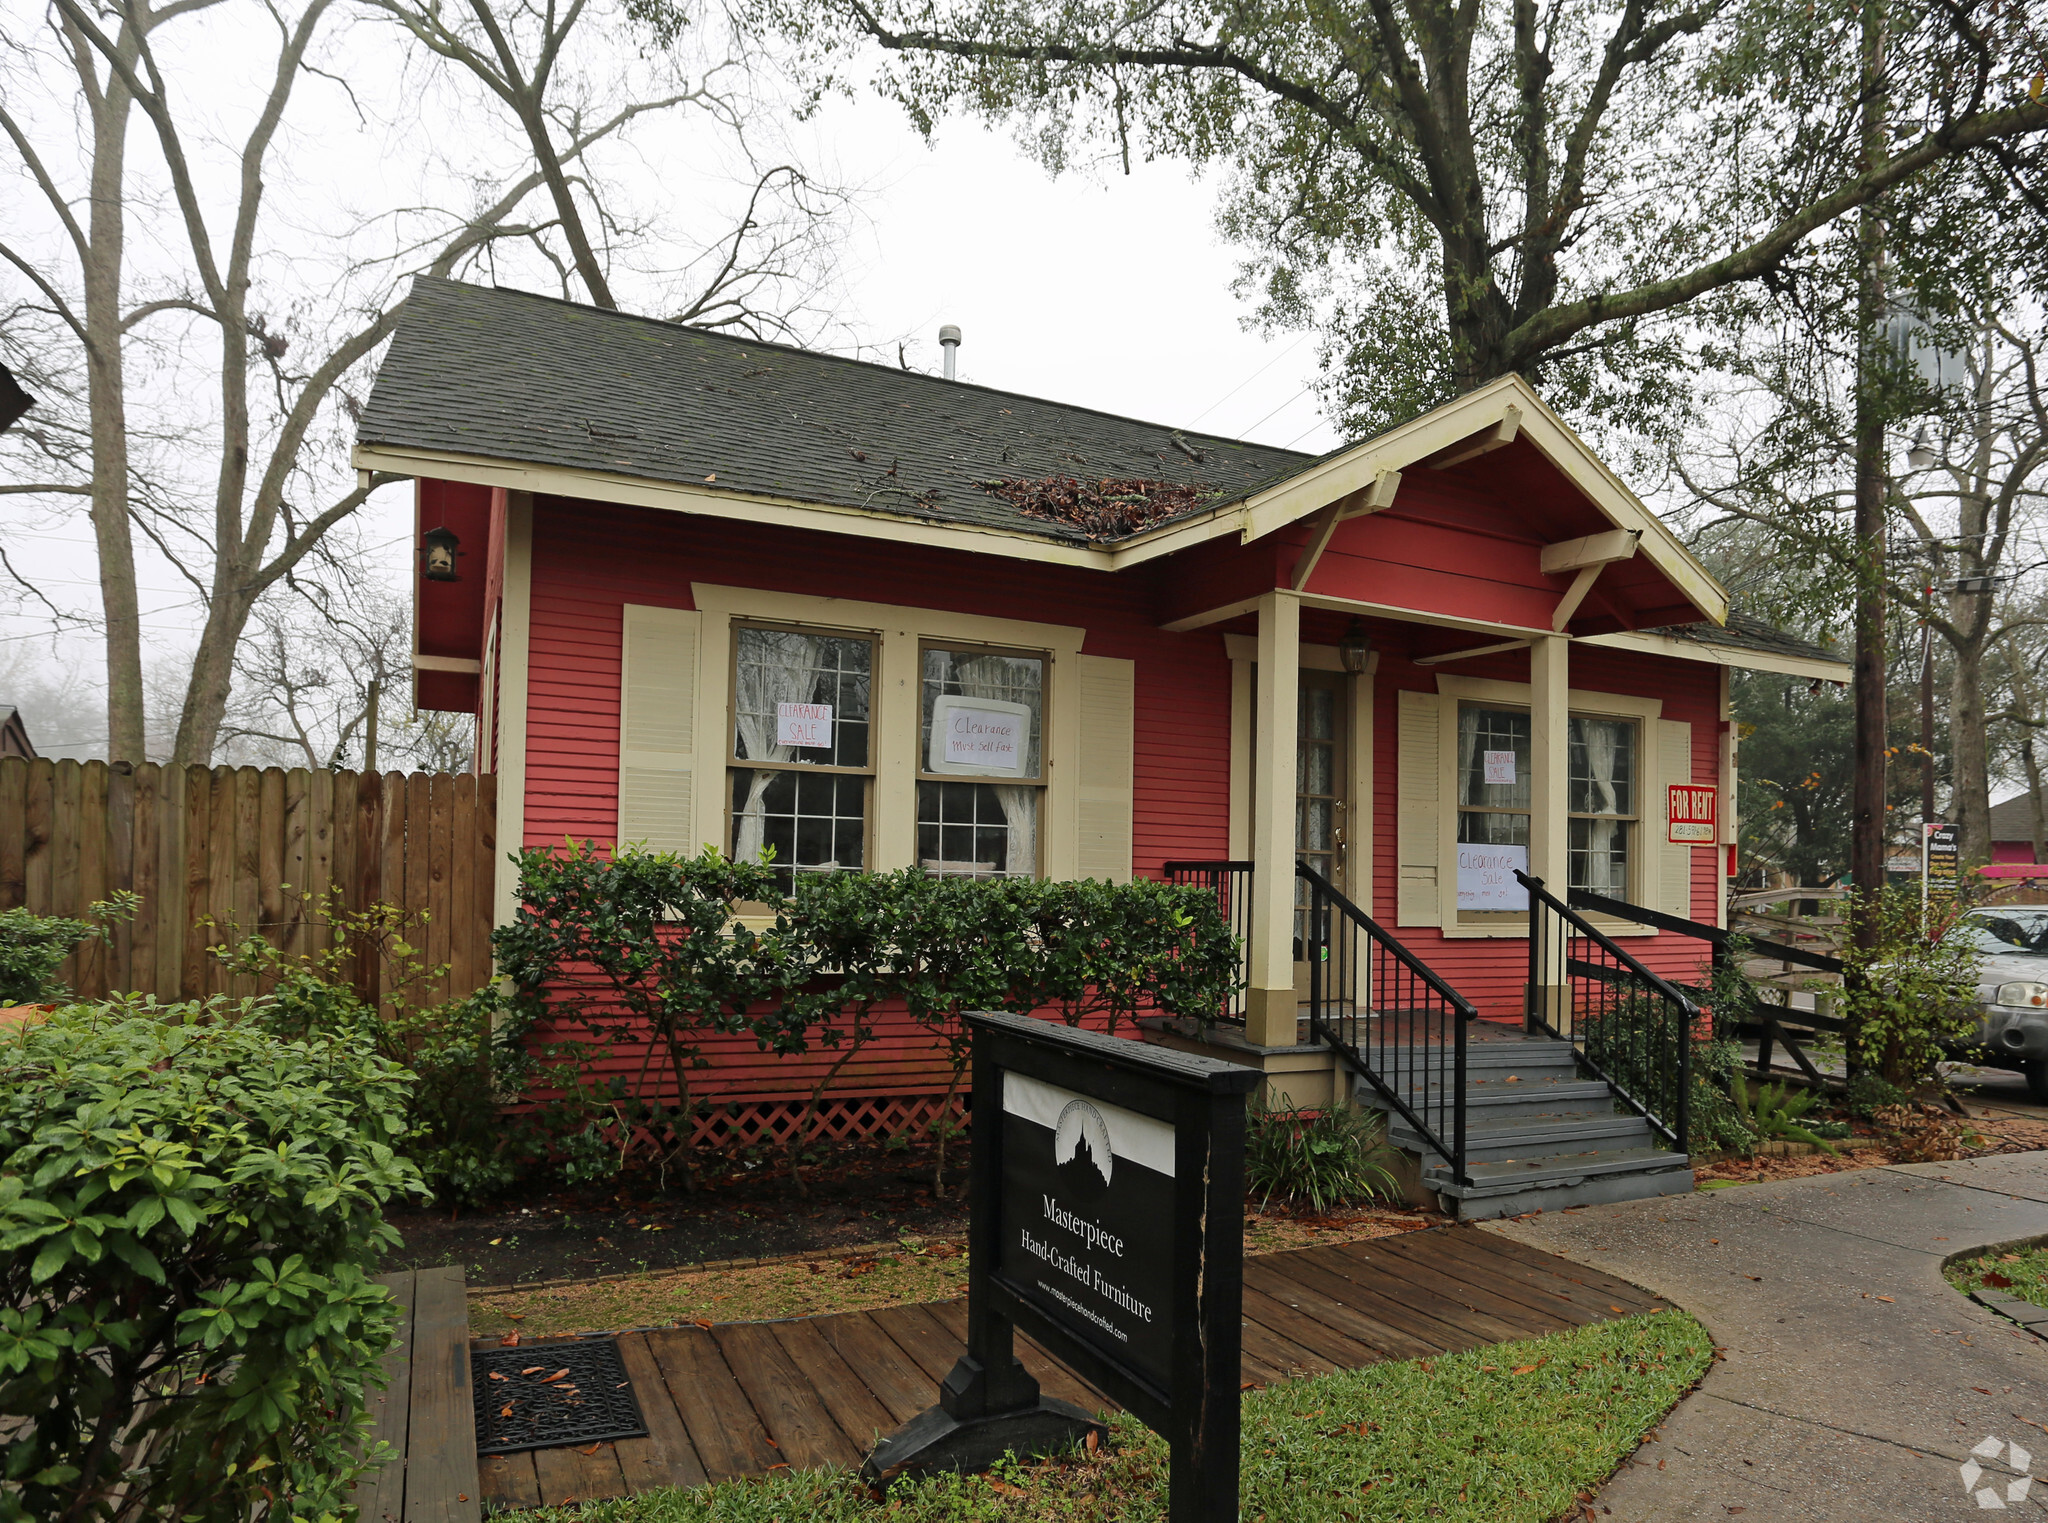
{"points": [[1695, 819]]}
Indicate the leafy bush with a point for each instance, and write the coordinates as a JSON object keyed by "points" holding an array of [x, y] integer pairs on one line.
{"points": [[34, 947], [1909, 993], [1777, 1112], [1320, 1158], [468, 1058], [1868, 1094], [189, 1209]]}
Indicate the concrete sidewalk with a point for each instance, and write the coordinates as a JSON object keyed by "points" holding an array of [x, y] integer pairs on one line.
{"points": [[1854, 1381]]}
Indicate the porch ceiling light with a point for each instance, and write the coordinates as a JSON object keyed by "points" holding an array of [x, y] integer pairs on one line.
{"points": [[1355, 649], [437, 555]]}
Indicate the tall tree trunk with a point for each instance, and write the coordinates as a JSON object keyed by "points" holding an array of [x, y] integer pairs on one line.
{"points": [[106, 396], [1867, 809], [213, 672], [1969, 783], [2038, 805]]}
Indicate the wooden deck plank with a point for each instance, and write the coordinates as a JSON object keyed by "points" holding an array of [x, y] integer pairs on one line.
{"points": [[1475, 1267], [441, 1484], [1401, 1280], [1318, 1337], [1281, 1356], [666, 1457], [842, 1386], [587, 1474], [920, 1336], [892, 1375], [1633, 1299], [1476, 1285], [723, 1427], [1276, 1280], [509, 1482], [380, 1496], [789, 1404], [1340, 1282]]}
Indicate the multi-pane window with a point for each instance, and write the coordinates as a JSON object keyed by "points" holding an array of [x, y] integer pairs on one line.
{"points": [[981, 777], [801, 758], [1601, 798], [1493, 776], [1601, 791]]}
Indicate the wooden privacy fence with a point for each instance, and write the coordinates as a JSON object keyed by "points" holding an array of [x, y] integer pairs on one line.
{"points": [[257, 850]]}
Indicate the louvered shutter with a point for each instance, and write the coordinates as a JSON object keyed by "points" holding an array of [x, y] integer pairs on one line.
{"points": [[658, 728], [1418, 825], [1103, 808], [1674, 862]]}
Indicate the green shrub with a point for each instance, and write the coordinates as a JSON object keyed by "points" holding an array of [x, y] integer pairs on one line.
{"points": [[468, 1058], [34, 947], [1868, 1094], [1778, 1112], [1910, 993], [1320, 1158], [189, 1209]]}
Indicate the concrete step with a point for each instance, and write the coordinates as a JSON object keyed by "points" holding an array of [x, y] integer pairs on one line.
{"points": [[1561, 1181], [1553, 1097], [1522, 1138]]}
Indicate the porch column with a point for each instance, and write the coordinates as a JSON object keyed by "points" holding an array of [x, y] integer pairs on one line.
{"points": [[1549, 796], [1270, 1005]]}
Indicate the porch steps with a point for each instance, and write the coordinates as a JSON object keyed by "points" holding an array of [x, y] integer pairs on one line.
{"points": [[1538, 1137]]}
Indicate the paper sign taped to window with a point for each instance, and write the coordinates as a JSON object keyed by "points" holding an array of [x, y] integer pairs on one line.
{"points": [[807, 726], [1486, 877], [1693, 814], [1500, 768], [979, 736]]}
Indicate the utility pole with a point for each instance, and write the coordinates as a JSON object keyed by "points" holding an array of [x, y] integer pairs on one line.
{"points": [[370, 725]]}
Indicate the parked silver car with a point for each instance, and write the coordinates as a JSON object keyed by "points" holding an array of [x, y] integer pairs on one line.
{"points": [[2012, 990]]}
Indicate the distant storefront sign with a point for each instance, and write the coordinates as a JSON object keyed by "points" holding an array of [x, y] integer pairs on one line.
{"points": [[1941, 862]]}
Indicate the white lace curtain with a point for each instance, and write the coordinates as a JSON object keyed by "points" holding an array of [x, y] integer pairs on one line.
{"points": [[775, 666], [1012, 681], [1606, 860]]}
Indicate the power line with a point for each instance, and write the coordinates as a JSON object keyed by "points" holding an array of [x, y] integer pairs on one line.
{"points": [[1284, 406], [1240, 386]]}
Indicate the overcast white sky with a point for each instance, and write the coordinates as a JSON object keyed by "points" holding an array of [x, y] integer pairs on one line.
{"points": [[1106, 290]]}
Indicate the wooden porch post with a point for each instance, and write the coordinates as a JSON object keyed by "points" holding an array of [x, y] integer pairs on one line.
{"points": [[1549, 797], [1270, 1003]]}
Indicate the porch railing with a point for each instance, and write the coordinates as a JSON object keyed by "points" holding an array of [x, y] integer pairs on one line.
{"points": [[1631, 1027], [1394, 1021], [1231, 883]]}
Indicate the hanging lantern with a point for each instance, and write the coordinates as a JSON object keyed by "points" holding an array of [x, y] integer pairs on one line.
{"points": [[437, 555], [1355, 649]]}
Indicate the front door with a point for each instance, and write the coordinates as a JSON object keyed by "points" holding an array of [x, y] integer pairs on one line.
{"points": [[1322, 771]]}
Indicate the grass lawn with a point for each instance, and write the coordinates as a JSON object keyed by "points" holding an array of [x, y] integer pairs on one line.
{"points": [[2023, 1274], [1512, 1433]]}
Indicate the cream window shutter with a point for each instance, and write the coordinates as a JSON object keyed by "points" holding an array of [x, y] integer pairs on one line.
{"points": [[658, 728], [1674, 862], [1418, 818], [1103, 807]]}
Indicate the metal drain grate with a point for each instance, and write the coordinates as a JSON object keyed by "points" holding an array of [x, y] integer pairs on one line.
{"points": [[548, 1395]]}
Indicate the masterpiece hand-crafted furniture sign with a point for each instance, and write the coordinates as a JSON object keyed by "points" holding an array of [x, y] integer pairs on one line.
{"points": [[1107, 1222]]}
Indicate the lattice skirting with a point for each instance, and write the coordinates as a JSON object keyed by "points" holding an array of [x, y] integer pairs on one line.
{"points": [[839, 1118]]}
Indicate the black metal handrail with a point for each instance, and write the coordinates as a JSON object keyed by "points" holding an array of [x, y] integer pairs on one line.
{"points": [[1389, 1015], [1632, 1028], [1231, 882]]}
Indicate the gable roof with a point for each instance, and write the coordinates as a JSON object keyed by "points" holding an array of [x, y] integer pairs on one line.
{"points": [[508, 375], [2013, 819]]}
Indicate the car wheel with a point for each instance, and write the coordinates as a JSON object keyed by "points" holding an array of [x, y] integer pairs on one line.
{"points": [[2037, 1079]]}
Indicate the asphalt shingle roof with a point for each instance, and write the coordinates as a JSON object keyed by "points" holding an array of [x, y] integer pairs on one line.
{"points": [[513, 376], [1747, 632]]}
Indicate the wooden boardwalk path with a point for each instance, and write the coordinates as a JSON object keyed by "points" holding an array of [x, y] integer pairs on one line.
{"points": [[742, 1398], [425, 1412]]}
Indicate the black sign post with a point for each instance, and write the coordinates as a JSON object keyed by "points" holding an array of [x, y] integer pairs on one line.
{"points": [[1107, 1221]]}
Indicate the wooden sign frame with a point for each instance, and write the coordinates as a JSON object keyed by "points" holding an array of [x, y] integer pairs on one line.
{"points": [[989, 1404]]}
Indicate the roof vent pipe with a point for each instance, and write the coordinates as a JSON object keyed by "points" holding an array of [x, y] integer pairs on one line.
{"points": [[949, 340]]}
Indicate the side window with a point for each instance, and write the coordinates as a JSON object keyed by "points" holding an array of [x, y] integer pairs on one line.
{"points": [[981, 773], [1493, 776], [802, 763], [1602, 801]]}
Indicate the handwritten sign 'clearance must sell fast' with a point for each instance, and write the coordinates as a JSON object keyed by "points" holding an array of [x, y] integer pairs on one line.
{"points": [[979, 736], [1486, 877], [807, 726]]}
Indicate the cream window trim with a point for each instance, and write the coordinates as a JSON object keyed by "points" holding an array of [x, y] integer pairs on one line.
{"points": [[900, 633], [1456, 690]]}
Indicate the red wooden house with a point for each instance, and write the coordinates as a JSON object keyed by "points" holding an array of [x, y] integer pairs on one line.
{"points": [[709, 590]]}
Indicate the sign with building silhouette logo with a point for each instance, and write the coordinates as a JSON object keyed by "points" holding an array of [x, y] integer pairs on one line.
{"points": [[1087, 1214], [1106, 1221]]}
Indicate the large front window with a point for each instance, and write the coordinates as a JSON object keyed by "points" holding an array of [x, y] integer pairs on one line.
{"points": [[981, 773], [801, 755], [1493, 791]]}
